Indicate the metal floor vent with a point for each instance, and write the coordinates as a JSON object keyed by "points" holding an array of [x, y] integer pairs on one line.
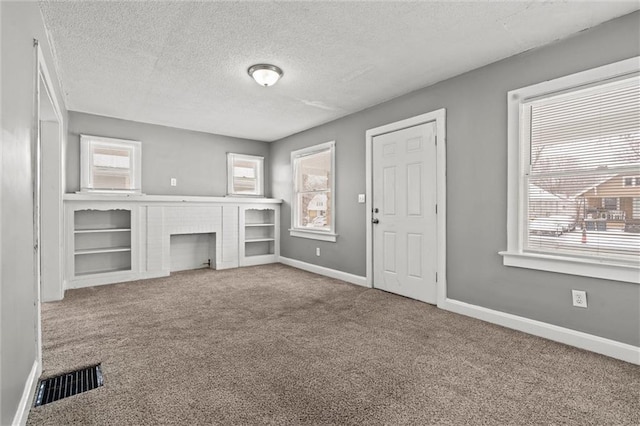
{"points": [[68, 384]]}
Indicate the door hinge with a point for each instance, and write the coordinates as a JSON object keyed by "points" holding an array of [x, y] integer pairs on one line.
{"points": [[436, 209], [436, 277], [436, 139]]}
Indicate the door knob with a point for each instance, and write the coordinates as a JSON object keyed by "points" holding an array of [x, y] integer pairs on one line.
{"points": [[375, 220]]}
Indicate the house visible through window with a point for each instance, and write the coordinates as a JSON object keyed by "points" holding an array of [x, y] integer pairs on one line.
{"points": [[313, 203], [110, 164], [245, 174], [578, 148]]}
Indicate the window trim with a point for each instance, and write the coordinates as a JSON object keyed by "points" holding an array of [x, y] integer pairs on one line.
{"points": [[314, 234], [231, 157], [86, 181], [516, 202]]}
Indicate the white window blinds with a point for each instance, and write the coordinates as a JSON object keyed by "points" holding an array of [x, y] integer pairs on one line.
{"points": [[584, 149]]}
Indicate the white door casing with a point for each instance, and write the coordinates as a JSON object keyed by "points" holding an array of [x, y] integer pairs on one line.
{"points": [[46, 206], [406, 249]]}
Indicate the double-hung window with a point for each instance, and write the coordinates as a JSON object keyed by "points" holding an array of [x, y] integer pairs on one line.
{"points": [[574, 155], [245, 175], [110, 165], [313, 201]]}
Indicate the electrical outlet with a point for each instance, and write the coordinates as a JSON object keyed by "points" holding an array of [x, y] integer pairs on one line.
{"points": [[579, 298], [174, 182], [317, 251]]}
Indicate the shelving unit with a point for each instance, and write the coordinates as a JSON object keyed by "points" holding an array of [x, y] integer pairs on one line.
{"points": [[259, 233], [118, 238], [101, 242]]}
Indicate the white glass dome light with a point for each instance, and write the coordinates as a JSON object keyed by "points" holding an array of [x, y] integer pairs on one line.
{"points": [[265, 74]]}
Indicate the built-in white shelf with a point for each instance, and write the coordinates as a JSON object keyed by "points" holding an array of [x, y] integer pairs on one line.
{"points": [[258, 240], [102, 250], [102, 271], [100, 230], [101, 241], [259, 233], [118, 238]]}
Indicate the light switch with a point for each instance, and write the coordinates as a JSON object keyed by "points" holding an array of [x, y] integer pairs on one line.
{"points": [[361, 198]]}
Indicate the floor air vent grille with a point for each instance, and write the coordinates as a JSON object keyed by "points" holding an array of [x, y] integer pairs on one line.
{"points": [[68, 384]]}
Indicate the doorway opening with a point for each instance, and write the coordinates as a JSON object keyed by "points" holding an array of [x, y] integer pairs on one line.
{"points": [[48, 188]]}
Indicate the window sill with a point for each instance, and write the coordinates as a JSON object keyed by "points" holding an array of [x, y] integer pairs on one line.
{"points": [[110, 191], [572, 266], [313, 235]]}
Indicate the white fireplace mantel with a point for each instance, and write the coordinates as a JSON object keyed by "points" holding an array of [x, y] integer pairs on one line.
{"points": [[152, 219]]}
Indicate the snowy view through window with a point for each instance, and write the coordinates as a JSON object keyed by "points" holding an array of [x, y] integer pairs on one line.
{"points": [[584, 178], [314, 193]]}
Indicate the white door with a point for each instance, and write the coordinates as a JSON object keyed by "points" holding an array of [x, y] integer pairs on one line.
{"points": [[404, 212]]}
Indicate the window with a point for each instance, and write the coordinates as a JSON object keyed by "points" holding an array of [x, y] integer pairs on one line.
{"points": [[110, 165], [574, 151], [610, 203], [313, 203], [245, 174]]}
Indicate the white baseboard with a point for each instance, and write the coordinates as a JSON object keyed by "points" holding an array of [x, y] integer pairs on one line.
{"points": [[611, 348], [321, 270], [113, 278], [608, 347], [24, 406]]}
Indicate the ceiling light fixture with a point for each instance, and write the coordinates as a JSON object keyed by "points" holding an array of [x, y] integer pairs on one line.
{"points": [[265, 74]]}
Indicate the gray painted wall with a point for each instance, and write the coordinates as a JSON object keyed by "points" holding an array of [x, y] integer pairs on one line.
{"points": [[197, 160], [476, 104], [21, 23]]}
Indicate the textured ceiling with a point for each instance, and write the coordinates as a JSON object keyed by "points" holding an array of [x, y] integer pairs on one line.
{"points": [[184, 64]]}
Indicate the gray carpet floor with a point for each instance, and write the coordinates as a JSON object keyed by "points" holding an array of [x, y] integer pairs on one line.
{"points": [[276, 345]]}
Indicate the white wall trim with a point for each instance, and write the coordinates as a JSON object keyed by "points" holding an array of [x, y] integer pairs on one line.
{"points": [[54, 285], [321, 270], [313, 235], [113, 278], [594, 268], [28, 393], [600, 345], [567, 336], [578, 339], [439, 116]]}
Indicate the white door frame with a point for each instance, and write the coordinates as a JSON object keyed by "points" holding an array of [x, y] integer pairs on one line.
{"points": [[439, 116], [52, 204], [44, 84]]}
